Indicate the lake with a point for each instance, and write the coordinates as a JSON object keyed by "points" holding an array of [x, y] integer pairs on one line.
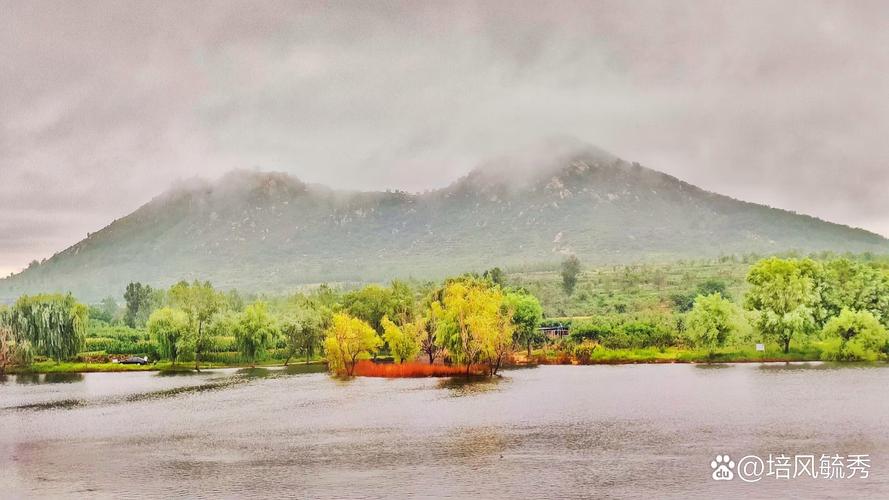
{"points": [[640, 431]]}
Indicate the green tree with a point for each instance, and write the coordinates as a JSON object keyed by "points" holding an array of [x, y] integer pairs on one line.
{"points": [[403, 342], [570, 272], [370, 304], [255, 331], [303, 328], [6, 341], [141, 300], [712, 322], [403, 306], [782, 293], [496, 276], [685, 301], [854, 335], [200, 301], [347, 338], [856, 286], [527, 315], [53, 324], [168, 328]]}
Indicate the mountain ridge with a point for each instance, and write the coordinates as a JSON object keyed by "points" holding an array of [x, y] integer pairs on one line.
{"points": [[269, 231]]}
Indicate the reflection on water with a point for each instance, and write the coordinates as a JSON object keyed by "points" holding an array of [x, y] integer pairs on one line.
{"points": [[303, 368], [468, 386], [822, 365], [41, 378], [62, 378], [254, 372], [178, 373], [28, 378], [712, 366], [555, 431]]}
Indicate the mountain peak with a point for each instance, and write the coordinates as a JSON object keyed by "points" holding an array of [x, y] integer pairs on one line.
{"points": [[268, 231]]}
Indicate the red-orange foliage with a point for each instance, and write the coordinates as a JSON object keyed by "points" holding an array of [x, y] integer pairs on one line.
{"points": [[414, 369]]}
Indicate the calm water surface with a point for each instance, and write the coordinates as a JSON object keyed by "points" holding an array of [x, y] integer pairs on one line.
{"points": [[599, 431]]}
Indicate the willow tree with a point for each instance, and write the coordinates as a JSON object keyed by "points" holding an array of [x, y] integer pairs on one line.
{"points": [[403, 340], [784, 296], [255, 332], [200, 301], [53, 325], [5, 342], [473, 324], [347, 338], [854, 335], [712, 322], [303, 328], [168, 328]]}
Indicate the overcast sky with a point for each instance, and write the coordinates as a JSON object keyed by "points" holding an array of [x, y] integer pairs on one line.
{"points": [[104, 104]]}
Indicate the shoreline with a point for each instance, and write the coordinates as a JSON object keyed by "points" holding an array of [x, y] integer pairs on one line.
{"points": [[66, 367], [117, 368]]}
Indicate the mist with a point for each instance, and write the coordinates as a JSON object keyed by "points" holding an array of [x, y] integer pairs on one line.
{"points": [[107, 104]]}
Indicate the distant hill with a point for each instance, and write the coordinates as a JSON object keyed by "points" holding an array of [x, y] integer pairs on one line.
{"points": [[266, 231]]}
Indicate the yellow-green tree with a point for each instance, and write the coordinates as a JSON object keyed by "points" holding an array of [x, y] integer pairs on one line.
{"points": [[854, 335], [472, 324], [403, 340], [347, 338], [784, 296]]}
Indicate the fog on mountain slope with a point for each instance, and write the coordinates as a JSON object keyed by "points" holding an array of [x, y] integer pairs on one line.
{"points": [[266, 231]]}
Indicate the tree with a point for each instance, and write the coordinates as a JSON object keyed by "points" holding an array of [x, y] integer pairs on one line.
{"points": [[854, 335], [200, 302], [53, 324], [712, 321], [685, 301], [527, 314], [347, 338], [168, 328], [255, 331], [141, 300], [782, 293], [496, 276], [470, 321], [303, 328], [403, 342], [402, 304], [370, 304], [497, 341], [570, 272], [855, 286], [425, 332], [6, 341]]}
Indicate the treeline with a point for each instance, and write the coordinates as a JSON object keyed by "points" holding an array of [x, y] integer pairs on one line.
{"points": [[471, 321], [839, 306]]}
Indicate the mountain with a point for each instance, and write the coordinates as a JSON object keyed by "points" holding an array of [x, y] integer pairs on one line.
{"points": [[266, 231]]}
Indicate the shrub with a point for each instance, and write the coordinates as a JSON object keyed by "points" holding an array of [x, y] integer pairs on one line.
{"points": [[583, 352]]}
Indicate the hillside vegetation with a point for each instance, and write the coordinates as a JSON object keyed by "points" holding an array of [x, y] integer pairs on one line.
{"points": [[271, 232]]}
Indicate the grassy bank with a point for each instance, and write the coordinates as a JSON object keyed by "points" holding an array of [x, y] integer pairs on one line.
{"points": [[603, 356]]}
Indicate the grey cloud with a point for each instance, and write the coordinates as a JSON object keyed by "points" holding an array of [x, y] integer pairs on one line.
{"points": [[106, 104]]}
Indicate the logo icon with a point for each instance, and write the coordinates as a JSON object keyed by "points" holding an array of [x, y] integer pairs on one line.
{"points": [[722, 468]]}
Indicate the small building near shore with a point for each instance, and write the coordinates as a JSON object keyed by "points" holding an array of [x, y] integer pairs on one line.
{"points": [[555, 331]]}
